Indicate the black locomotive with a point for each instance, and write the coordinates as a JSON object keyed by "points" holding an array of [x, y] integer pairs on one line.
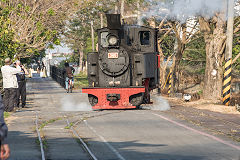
{"points": [[125, 69]]}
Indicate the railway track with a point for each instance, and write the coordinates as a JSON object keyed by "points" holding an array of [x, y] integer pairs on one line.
{"points": [[82, 142], [70, 125], [84, 120], [39, 138]]}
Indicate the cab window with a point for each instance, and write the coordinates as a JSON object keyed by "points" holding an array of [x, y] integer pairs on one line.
{"points": [[144, 37], [104, 41]]}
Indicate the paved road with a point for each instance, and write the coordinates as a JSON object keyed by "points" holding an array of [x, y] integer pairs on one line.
{"points": [[109, 134], [152, 135]]}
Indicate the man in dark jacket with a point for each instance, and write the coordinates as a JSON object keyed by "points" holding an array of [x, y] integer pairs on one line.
{"points": [[21, 84], [5, 151]]}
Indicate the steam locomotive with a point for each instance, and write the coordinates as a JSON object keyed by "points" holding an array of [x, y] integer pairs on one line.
{"points": [[126, 67]]}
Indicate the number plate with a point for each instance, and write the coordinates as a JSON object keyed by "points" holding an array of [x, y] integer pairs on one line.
{"points": [[113, 55]]}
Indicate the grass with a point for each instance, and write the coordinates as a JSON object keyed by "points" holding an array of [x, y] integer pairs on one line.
{"points": [[6, 114], [48, 122], [44, 142], [69, 126], [80, 80]]}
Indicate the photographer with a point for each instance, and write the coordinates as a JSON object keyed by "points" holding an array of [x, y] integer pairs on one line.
{"points": [[21, 84], [10, 85]]}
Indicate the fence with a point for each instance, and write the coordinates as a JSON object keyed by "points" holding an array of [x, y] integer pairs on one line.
{"points": [[58, 75]]}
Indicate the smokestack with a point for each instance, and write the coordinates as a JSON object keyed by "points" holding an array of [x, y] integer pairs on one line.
{"points": [[113, 21]]}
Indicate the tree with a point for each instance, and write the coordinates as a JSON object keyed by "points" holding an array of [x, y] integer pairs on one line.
{"points": [[36, 24], [214, 36], [236, 42], [78, 29], [184, 33], [8, 47]]}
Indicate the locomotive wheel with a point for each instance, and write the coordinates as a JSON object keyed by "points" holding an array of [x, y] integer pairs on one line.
{"points": [[93, 100], [136, 99]]}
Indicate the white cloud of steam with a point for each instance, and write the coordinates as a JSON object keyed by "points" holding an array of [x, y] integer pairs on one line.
{"points": [[75, 102], [181, 10], [160, 104]]}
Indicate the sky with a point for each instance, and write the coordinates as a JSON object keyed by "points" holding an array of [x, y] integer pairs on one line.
{"points": [[60, 49]]}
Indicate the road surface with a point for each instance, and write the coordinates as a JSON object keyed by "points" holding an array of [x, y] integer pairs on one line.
{"points": [[108, 134]]}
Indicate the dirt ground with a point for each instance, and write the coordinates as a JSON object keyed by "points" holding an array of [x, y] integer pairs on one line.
{"points": [[217, 119], [206, 105]]}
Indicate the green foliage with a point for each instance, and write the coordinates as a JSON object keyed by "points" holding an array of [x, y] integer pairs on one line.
{"points": [[26, 31], [195, 50], [69, 126], [12, 44], [48, 122], [88, 47], [78, 34], [74, 58], [81, 80], [167, 45], [194, 57], [8, 47], [6, 114], [61, 65], [200, 92], [51, 12], [236, 51], [132, 1]]}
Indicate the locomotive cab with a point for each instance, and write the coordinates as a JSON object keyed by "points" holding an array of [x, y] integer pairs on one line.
{"points": [[125, 69]]}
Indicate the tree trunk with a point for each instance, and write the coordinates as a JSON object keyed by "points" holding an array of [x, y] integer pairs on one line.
{"points": [[176, 65], [180, 43], [81, 61], [162, 69], [214, 48]]}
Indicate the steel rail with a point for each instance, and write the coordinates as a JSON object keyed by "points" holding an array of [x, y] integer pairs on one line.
{"points": [[39, 138], [83, 143]]}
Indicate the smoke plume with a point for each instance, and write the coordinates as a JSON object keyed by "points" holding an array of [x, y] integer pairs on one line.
{"points": [[181, 10]]}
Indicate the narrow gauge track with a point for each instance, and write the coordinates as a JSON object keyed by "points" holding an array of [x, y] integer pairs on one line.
{"points": [[94, 131], [82, 142], [84, 117], [93, 116], [39, 138]]}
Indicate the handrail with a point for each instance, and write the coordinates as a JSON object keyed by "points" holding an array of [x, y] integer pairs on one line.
{"points": [[58, 75]]}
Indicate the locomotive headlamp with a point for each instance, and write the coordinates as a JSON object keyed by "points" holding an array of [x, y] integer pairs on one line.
{"points": [[112, 40]]}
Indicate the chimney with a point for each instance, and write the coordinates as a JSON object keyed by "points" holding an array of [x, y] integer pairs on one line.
{"points": [[113, 21]]}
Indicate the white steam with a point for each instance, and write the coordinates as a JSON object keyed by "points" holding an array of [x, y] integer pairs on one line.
{"points": [[75, 102], [181, 10], [159, 103]]}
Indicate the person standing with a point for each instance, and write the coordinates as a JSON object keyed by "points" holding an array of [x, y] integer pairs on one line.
{"points": [[5, 150], [21, 78], [10, 85]]}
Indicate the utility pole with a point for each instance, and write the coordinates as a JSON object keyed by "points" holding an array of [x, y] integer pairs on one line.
{"points": [[228, 54], [138, 13], [122, 8], [116, 9], [101, 16], [93, 45], [230, 22]]}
